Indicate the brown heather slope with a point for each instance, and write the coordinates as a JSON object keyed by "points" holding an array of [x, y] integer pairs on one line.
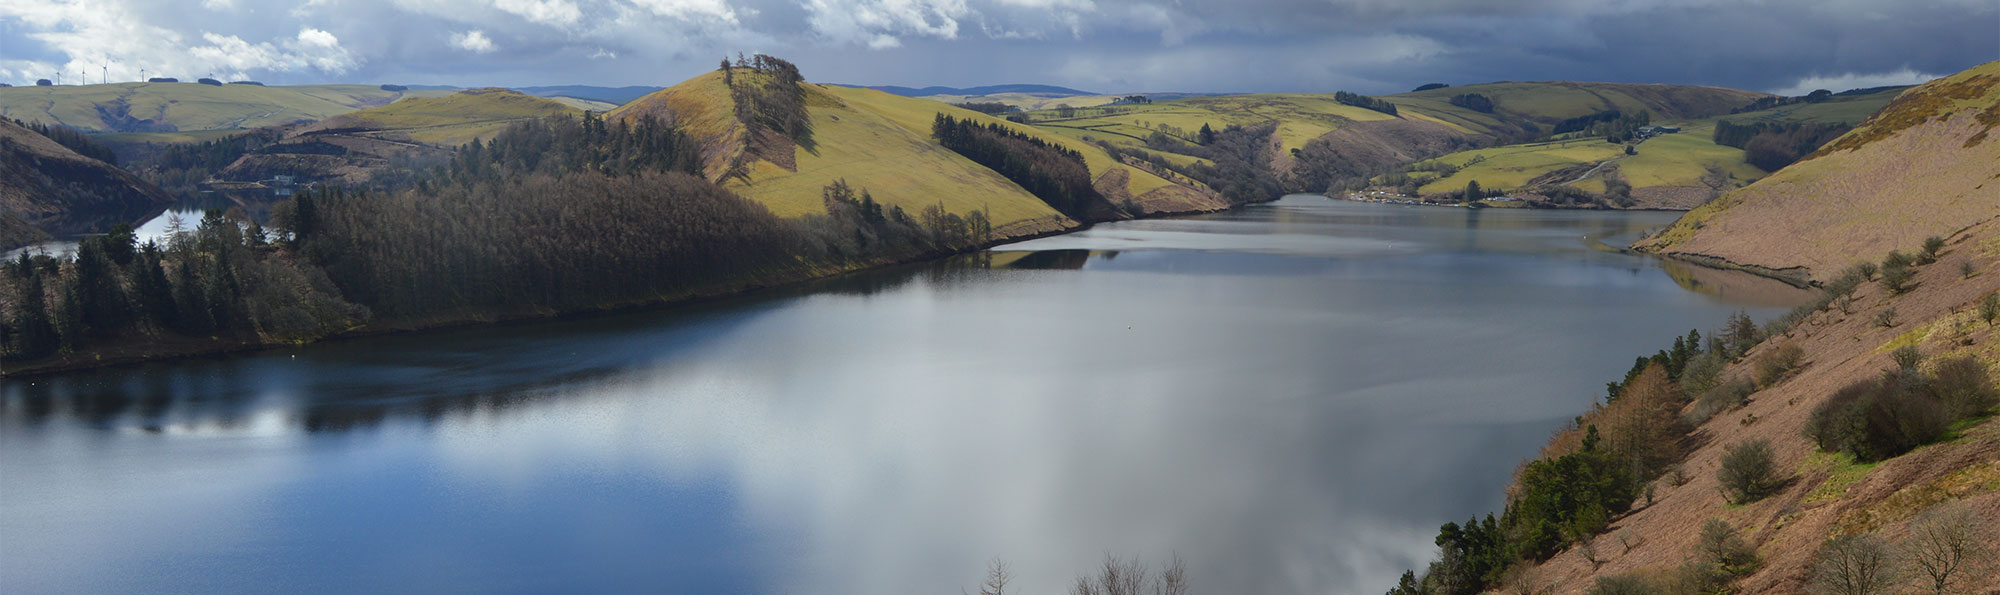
{"points": [[45, 187], [1928, 164], [1815, 502]]}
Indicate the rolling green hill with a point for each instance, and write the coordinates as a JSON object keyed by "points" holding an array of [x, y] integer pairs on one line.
{"points": [[181, 112], [1677, 171], [171, 107], [417, 130], [1841, 109], [1549, 102], [882, 143], [1925, 165], [1320, 130], [450, 120], [1671, 171]]}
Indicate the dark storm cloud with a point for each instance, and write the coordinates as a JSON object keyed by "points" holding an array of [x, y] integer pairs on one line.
{"points": [[1107, 45]]}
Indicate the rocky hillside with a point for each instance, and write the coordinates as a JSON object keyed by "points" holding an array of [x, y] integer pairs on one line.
{"points": [[1926, 165], [48, 188]]}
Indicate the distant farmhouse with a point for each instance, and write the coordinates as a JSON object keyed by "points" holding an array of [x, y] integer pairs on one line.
{"points": [[1652, 131]]}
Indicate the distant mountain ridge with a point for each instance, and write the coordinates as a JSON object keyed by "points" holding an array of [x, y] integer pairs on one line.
{"points": [[1030, 89]]}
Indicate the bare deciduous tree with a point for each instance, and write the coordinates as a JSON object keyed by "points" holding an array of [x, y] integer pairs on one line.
{"points": [[1944, 548], [997, 577], [1120, 576], [1853, 565]]}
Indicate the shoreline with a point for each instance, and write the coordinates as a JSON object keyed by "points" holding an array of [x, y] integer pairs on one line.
{"points": [[197, 348]]}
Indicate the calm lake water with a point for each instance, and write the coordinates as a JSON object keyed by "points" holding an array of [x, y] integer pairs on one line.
{"points": [[1291, 397]]}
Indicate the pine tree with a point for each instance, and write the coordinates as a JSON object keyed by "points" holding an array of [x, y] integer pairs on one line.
{"points": [[34, 336], [69, 319], [195, 318], [152, 293]]}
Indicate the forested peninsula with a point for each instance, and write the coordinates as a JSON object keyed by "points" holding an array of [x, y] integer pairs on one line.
{"points": [[550, 217]]}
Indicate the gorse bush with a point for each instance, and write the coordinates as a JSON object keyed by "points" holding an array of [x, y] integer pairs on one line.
{"points": [[1721, 546], [1964, 387], [1722, 397], [1748, 471], [1777, 362], [1907, 358], [1932, 246], [1882, 417], [1897, 272]]}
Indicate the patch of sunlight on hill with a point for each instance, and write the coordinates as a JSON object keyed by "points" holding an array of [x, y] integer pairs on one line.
{"points": [[1682, 159], [449, 120], [1512, 166], [1851, 110], [187, 106], [872, 140]]}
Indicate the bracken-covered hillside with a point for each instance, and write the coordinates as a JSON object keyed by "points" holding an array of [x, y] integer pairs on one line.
{"points": [[1928, 164]]}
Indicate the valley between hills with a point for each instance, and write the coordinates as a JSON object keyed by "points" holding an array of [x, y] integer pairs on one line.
{"points": [[385, 211]]}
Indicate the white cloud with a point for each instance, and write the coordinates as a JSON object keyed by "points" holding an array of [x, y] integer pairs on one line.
{"points": [[1855, 80], [474, 41], [879, 23], [218, 4], [561, 13], [689, 9], [232, 57]]}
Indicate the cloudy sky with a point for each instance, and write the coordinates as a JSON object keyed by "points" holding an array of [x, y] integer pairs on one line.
{"points": [[1371, 46]]}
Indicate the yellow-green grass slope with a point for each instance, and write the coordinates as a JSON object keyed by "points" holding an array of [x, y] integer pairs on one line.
{"points": [[1670, 170], [1850, 110], [1301, 118], [448, 121], [881, 142], [1926, 165], [188, 106]]}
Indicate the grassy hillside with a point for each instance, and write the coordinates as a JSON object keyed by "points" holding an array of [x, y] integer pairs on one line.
{"points": [[1844, 109], [1670, 171], [1923, 166], [1555, 101], [169, 107], [1679, 170], [1426, 124], [415, 131], [450, 120], [881, 142], [1300, 118]]}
